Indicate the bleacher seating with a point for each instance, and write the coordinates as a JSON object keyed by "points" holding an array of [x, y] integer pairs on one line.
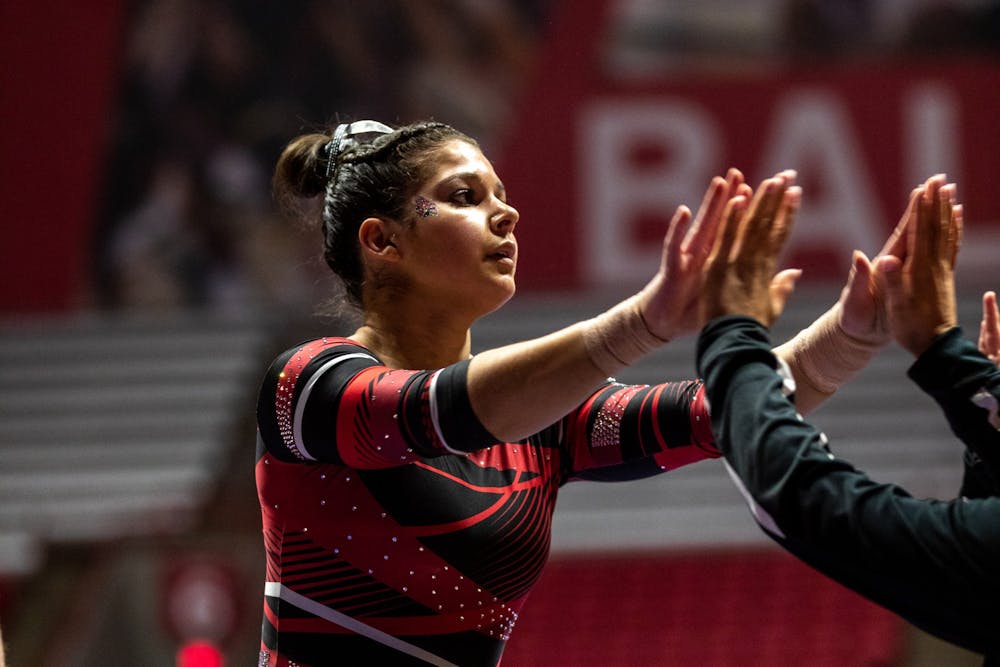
{"points": [[115, 425]]}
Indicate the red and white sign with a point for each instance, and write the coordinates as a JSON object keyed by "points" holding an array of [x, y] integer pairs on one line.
{"points": [[597, 165]]}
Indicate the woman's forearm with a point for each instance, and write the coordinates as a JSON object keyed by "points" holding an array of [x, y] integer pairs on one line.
{"points": [[519, 389]]}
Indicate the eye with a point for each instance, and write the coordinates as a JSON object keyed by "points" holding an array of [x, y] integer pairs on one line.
{"points": [[464, 196]]}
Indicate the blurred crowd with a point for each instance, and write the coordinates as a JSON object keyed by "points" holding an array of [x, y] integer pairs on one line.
{"points": [[210, 90], [906, 28]]}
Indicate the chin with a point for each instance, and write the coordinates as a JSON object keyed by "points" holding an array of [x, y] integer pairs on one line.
{"points": [[505, 295]]}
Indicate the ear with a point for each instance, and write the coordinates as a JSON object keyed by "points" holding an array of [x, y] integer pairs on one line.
{"points": [[376, 238]]}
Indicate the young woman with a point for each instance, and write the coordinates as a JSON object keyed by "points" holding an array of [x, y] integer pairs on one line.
{"points": [[407, 486]]}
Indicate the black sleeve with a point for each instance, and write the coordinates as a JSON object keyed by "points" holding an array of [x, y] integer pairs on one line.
{"points": [[966, 385], [933, 562]]}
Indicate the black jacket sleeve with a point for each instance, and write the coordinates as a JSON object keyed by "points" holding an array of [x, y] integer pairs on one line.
{"points": [[967, 387], [932, 562]]}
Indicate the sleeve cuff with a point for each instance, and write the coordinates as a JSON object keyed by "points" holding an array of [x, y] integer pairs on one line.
{"points": [[926, 371]]}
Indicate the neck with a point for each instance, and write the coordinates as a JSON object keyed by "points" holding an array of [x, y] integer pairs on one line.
{"points": [[415, 338]]}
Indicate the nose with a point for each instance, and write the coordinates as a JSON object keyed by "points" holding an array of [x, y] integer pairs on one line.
{"points": [[504, 219]]}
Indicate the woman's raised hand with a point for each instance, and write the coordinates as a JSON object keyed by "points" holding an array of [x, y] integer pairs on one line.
{"points": [[669, 303]]}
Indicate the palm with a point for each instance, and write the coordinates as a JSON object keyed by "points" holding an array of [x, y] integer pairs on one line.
{"points": [[673, 303], [863, 308], [670, 298]]}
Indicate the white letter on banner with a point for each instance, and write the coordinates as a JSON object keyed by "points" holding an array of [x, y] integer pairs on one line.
{"points": [[613, 190], [931, 136], [811, 133]]}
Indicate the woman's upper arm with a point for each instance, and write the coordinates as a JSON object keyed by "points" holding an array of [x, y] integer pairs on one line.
{"points": [[332, 401]]}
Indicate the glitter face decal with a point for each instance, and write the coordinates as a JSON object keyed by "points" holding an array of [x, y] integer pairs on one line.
{"points": [[425, 207]]}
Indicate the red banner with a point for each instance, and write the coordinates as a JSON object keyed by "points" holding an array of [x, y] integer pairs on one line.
{"points": [[596, 165], [60, 68]]}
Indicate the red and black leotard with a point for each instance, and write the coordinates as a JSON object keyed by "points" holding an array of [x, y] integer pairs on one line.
{"points": [[398, 530]]}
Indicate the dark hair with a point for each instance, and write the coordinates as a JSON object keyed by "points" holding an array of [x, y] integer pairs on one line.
{"points": [[367, 179]]}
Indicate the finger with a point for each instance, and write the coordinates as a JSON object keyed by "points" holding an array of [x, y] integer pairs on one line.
{"points": [[764, 208], [726, 238], [927, 240], [673, 240], [786, 219], [916, 232], [702, 233], [734, 179], [785, 180], [990, 312], [957, 228], [715, 197], [781, 287], [789, 175], [861, 267], [896, 243], [859, 280], [888, 276], [989, 328], [946, 223]]}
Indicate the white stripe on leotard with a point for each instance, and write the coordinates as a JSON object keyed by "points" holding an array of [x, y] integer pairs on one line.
{"points": [[300, 406], [277, 590]]}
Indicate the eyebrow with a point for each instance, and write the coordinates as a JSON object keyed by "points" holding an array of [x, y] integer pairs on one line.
{"points": [[475, 176]]}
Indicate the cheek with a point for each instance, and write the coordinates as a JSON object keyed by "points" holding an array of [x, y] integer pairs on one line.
{"points": [[457, 237], [424, 208], [455, 252]]}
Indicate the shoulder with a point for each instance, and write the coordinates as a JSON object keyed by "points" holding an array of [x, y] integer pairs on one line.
{"points": [[321, 351], [322, 367], [300, 364]]}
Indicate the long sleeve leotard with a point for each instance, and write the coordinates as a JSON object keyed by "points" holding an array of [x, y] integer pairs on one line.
{"points": [[397, 530]]}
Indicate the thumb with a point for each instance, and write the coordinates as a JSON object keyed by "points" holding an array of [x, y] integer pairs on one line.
{"points": [[888, 276], [858, 280], [861, 268], [889, 265], [782, 286]]}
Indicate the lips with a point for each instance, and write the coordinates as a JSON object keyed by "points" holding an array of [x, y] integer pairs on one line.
{"points": [[505, 251]]}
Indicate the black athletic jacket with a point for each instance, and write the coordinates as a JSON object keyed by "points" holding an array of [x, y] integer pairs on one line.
{"points": [[935, 563]]}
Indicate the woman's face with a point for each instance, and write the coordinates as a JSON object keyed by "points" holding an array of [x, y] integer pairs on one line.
{"points": [[460, 247]]}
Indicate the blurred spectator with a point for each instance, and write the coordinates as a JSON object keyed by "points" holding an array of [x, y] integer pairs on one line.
{"points": [[209, 90], [475, 53], [825, 29], [940, 27]]}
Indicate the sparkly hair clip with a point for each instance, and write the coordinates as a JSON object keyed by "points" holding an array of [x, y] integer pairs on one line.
{"points": [[345, 136]]}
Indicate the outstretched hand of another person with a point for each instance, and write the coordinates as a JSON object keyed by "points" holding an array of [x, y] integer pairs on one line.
{"points": [[668, 303], [740, 274], [920, 285], [863, 309], [989, 328], [838, 344]]}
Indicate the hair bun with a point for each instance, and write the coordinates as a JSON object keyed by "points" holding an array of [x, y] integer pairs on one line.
{"points": [[301, 169]]}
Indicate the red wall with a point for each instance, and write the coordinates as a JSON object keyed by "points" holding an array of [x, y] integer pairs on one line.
{"points": [[58, 79], [754, 607]]}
